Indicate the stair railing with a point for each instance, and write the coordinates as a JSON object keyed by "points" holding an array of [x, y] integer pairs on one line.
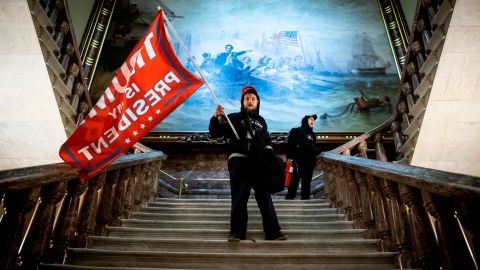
{"points": [[47, 209], [419, 213], [55, 32], [182, 186]]}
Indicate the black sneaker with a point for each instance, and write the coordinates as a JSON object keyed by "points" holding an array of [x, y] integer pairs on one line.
{"points": [[279, 236], [234, 238]]}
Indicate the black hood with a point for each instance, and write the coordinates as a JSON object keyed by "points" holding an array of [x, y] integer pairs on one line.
{"points": [[305, 122], [246, 90]]}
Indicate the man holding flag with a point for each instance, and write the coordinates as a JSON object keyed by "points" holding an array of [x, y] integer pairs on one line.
{"points": [[146, 89]]}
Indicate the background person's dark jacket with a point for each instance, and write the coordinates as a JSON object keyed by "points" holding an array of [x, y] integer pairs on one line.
{"points": [[302, 149]]}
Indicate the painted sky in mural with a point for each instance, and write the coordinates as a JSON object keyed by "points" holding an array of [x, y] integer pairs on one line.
{"points": [[305, 56]]}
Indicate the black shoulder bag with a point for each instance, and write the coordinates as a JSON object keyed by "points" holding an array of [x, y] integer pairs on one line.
{"points": [[269, 165]]}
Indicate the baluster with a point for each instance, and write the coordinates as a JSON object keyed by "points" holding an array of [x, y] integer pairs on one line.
{"points": [[402, 109], [58, 8], [397, 225], [119, 198], [431, 10], [156, 176], [451, 244], [416, 217], [419, 54], [367, 211], [379, 150], [66, 56], [424, 32], [408, 93], [332, 197], [354, 195], [139, 187], [327, 173], [130, 192], [61, 33], [88, 210], [147, 183], [469, 219], [16, 206], [341, 204], [381, 220], [64, 231], [412, 71], [83, 110], [347, 199], [104, 212], [362, 149], [77, 93], [38, 239], [397, 137], [346, 206], [72, 74]]}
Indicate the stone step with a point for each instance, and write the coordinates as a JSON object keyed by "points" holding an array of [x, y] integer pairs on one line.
{"points": [[253, 216], [226, 204], [235, 260], [219, 234], [221, 210], [82, 267], [222, 246], [226, 200], [225, 224]]}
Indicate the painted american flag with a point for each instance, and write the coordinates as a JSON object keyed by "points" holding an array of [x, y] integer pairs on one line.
{"points": [[287, 37]]}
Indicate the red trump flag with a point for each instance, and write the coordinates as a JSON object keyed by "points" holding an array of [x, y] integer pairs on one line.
{"points": [[147, 88]]}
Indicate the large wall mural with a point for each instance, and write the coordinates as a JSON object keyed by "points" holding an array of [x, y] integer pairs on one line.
{"points": [[331, 58]]}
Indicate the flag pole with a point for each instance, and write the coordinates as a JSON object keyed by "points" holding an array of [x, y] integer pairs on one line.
{"points": [[198, 69], [301, 44]]}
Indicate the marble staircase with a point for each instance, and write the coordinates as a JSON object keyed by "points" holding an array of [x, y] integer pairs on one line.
{"points": [[191, 233]]}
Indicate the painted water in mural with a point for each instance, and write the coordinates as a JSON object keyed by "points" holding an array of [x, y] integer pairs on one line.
{"points": [[331, 58]]}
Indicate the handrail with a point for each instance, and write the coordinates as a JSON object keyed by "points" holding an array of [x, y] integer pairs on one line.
{"points": [[419, 213], [61, 212], [438, 182], [28, 177]]}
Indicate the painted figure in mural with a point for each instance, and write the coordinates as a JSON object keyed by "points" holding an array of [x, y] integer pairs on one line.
{"points": [[302, 150], [364, 104], [240, 164], [208, 65], [228, 64], [300, 65], [190, 66]]}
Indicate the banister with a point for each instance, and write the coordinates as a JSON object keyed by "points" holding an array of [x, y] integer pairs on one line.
{"points": [[438, 182], [23, 178]]}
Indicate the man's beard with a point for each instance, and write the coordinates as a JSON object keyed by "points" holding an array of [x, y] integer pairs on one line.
{"points": [[250, 112]]}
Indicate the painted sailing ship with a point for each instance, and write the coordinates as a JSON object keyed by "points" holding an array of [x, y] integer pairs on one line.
{"points": [[365, 59]]}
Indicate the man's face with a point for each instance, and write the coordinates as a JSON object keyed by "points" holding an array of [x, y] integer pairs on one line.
{"points": [[311, 121], [228, 48], [250, 102]]}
